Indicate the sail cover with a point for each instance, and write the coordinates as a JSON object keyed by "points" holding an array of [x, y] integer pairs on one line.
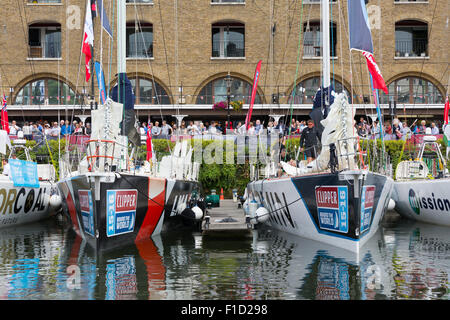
{"points": [[358, 24], [126, 97]]}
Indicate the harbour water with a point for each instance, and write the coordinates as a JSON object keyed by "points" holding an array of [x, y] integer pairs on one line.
{"points": [[404, 260]]}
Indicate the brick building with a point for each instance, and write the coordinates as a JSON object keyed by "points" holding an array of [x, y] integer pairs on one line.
{"points": [[180, 52]]}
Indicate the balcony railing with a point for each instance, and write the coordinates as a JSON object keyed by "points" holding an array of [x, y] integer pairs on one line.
{"points": [[227, 1], [140, 49], [414, 48], [140, 1], [44, 1], [410, 1], [49, 50], [228, 49]]}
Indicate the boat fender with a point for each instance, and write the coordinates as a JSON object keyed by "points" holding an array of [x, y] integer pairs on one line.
{"points": [[261, 215], [55, 201], [245, 207], [188, 213], [198, 213], [253, 205], [391, 204]]}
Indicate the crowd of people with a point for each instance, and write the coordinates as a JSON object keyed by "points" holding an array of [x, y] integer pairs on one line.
{"points": [[396, 130], [164, 130], [34, 130]]}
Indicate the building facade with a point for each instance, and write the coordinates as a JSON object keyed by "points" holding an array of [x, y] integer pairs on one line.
{"points": [[179, 54]]}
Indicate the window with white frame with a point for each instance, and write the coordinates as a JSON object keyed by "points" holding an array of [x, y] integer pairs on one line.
{"points": [[44, 40], [312, 42], [411, 39], [228, 40], [139, 42]]}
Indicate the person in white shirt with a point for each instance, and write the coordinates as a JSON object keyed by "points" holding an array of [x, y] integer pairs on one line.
{"points": [[165, 128], [47, 129], [212, 128], [54, 131], [251, 129], [156, 130], [14, 128], [434, 128], [27, 134]]}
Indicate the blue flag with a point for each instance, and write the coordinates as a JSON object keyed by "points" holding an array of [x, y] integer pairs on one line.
{"points": [[359, 28], [100, 82], [104, 17], [24, 173]]}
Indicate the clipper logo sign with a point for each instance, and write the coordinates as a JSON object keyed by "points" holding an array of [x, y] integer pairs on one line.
{"points": [[121, 211], [87, 211], [332, 208], [414, 201], [367, 202]]}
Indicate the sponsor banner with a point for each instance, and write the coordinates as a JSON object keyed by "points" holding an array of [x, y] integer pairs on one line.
{"points": [[121, 211], [432, 200], [367, 202], [87, 210], [332, 208], [24, 173]]}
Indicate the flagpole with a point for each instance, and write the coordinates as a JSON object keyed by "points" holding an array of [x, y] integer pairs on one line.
{"points": [[92, 61], [380, 118]]}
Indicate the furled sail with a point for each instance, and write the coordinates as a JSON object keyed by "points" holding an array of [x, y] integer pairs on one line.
{"points": [[127, 98]]}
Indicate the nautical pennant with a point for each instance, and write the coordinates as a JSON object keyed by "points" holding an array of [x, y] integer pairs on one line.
{"points": [[104, 18], [446, 110], [361, 39], [4, 115], [254, 88], [88, 40]]}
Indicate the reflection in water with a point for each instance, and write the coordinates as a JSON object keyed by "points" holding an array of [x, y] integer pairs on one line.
{"points": [[403, 260]]}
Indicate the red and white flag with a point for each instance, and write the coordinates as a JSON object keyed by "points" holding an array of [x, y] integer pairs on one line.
{"points": [[88, 39], [149, 144], [4, 115], [254, 89], [378, 81], [446, 110]]}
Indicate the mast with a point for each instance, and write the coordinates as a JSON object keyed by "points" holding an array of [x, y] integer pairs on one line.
{"points": [[121, 54], [325, 34], [121, 36]]}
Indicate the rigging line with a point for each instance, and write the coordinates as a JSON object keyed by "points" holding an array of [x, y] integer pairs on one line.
{"points": [[332, 44], [297, 67], [423, 60], [81, 96], [150, 64], [290, 25], [340, 44], [137, 188], [164, 43], [33, 71]]}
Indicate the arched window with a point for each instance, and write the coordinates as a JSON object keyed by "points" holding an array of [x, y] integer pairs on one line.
{"points": [[139, 40], [411, 39], [145, 94], [306, 90], [216, 91], [412, 90], [45, 91]]}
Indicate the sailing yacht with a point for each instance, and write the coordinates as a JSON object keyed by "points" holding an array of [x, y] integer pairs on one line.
{"points": [[110, 200], [335, 199]]}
